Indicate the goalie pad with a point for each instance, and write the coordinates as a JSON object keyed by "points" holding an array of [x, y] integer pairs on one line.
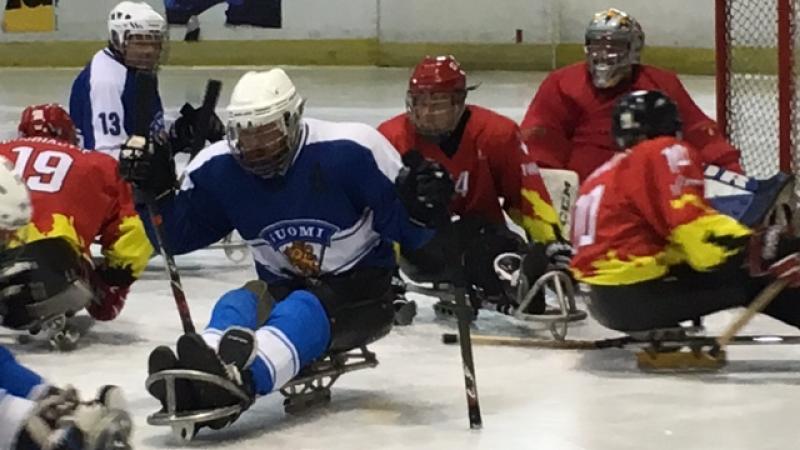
{"points": [[748, 200], [562, 185]]}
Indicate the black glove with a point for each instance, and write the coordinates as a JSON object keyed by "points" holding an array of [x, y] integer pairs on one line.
{"points": [[425, 188], [559, 253], [182, 132], [150, 168]]}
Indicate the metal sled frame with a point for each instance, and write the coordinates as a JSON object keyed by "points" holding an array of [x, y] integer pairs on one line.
{"points": [[184, 423], [235, 251], [564, 289], [311, 387]]}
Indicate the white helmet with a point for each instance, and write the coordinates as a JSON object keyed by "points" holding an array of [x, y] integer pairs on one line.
{"points": [[136, 19], [15, 202], [264, 122]]}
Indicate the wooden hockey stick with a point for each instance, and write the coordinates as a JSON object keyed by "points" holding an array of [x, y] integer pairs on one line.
{"points": [[145, 99], [761, 301]]}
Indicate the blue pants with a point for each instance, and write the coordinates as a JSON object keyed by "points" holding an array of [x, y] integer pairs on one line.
{"points": [[15, 378], [296, 333]]}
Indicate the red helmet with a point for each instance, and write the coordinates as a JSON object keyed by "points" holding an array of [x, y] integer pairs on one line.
{"points": [[438, 74], [48, 120]]}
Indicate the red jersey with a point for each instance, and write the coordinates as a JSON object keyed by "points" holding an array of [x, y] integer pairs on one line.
{"points": [[79, 196], [644, 211], [490, 162], [568, 123]]}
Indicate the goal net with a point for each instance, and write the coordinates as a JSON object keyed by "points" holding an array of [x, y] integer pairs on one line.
{"points": [[756, 88]]}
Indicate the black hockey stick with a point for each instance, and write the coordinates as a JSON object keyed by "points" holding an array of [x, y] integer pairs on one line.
{"points": [[145, 99], [203, 118], [464, 314]]}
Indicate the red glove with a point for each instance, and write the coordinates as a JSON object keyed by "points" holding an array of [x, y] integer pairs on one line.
{"points": [[110, 288], [108, 302], [788, 269]]}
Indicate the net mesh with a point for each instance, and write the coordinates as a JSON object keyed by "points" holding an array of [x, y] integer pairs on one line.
{"points": [[751, 100]]}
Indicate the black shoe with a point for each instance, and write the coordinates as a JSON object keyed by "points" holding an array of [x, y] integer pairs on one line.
{"points": [[238, 347], [161, 359], [194, 354]]}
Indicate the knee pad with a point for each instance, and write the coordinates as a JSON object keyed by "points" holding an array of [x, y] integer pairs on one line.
{"points": [[249, 307]]}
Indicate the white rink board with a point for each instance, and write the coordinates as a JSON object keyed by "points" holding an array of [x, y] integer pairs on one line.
{"points": [[531, 399]]}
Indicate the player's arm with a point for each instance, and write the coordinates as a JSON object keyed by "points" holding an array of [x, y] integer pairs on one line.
{"points": [[702, 132], [547, 126], [669, 195], [97, 102], [123, 238], [516, 177], [374, 188], [193, 218]]}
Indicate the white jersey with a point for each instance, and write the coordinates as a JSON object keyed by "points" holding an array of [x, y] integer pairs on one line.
{"points": [[102, 104], [14, 411]]}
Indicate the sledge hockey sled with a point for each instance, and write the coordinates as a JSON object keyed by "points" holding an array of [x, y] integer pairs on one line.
{"points": [[310, 388], [557, 320]]}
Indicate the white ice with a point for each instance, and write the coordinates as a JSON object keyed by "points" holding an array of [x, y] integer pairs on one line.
{"points": [[531, 399]]}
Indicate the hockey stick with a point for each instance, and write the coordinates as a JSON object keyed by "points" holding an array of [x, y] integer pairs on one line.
{"points": [[763, 299], [464, 316], [203, 119], [145, 98], [728, 337]]}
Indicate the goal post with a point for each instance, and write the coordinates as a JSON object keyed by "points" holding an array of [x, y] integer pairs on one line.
{"points": [[756, 87]]}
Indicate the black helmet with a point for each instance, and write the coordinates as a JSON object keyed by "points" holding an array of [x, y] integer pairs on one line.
{"points": [[644, 115]]}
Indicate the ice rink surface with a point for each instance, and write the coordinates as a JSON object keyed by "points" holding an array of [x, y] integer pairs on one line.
{"points": [[531, 399]]}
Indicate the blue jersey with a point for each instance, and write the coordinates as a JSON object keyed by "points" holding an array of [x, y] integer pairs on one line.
{"points": [[102, 104], [335, 209]]}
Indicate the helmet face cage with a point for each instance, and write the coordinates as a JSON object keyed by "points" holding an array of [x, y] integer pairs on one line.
{"points": [[435, 114], [613, 44], [266, 149], [144, 51]]}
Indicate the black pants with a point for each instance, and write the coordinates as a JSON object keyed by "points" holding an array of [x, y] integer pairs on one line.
{"points": [[358, 303], [470, 239], [686, 294]]}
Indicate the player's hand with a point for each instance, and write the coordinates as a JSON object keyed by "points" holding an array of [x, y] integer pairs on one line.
{"points": [[559, 253], [135, 159], [426, 189], [149, 168], [788, 269], [110, 286], [183, 130]]}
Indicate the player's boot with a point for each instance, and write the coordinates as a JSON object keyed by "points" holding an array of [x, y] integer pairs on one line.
{"points": [[163, 358], [194, 354]]}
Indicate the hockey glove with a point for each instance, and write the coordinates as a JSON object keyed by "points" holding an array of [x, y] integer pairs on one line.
{"points": [[150, 168], [182, 132], [110, 286], [61, 421], [426, 189], [559, 253]]}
